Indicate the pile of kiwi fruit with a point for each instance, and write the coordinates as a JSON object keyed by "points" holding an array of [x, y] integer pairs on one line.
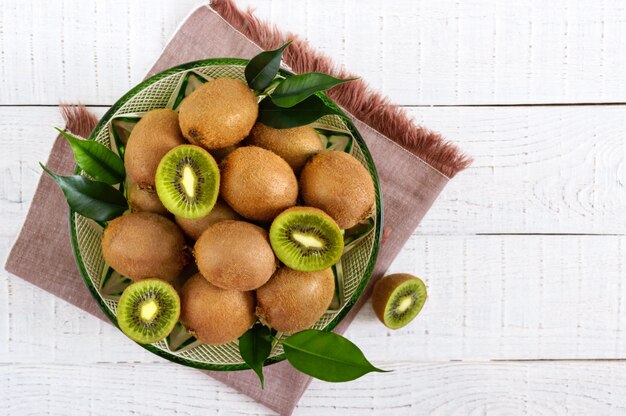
{"points": [[231, 221]]}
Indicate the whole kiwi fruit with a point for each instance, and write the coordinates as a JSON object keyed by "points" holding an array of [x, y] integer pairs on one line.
{"points": [[215, 316], [235, 255], [144, 245], [220, 212], [154, 135], [144, 199], [339, 185], [293, 301], [257, 183], [295, 145], [219, 113]]}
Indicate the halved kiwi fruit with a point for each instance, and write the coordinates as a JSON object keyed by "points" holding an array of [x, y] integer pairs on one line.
{"points": [[188, 181], [398, 298], [148, 310], [293, 301], [306, 239]]}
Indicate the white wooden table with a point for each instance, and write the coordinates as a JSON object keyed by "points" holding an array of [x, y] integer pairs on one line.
{"points": [[524, 254]]}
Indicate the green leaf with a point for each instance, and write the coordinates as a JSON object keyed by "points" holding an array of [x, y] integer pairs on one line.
{"points": [[92, 199], [262, 69], [297, 88], [326, 356], [303, 113], [255, 346], [100, 162]]}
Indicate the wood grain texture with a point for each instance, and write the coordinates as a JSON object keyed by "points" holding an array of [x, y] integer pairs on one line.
{"points": [[535, 388], [86, 51], [418, 52], [536, 170]]}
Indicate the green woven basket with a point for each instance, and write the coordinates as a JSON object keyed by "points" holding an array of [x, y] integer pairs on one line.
{"points": [[166, 90]]}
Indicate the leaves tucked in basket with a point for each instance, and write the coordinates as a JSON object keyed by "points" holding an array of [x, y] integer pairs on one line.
{"points": [[93, 198], [169, 174], [292, 101]]}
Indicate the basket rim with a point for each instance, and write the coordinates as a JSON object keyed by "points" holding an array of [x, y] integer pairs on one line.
{"points": [[377, 230]]}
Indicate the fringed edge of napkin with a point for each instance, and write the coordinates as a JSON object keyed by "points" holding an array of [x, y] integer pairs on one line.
{"points": [[357, 97], [78, 120]]}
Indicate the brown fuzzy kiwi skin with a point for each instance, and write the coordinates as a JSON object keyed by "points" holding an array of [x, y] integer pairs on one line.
{"points": [[144, 245], [235, 255], [257, 183], [383, 289], [339, 185], [215, 316], [144, 200], [220, 212], [154, 135], [219, 113], [220, 154], [295, 145], [293, 301]]}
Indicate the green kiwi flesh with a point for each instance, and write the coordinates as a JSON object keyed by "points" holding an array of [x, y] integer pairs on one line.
{"points": [[306, 239], [188, 181], [398, 298], [148, 310]]}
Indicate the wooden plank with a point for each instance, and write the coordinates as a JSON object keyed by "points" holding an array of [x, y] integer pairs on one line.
{"points": [[490, 297], [537, 169], [417, 52], [85, 51], [537, 388], [534, 388]]}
